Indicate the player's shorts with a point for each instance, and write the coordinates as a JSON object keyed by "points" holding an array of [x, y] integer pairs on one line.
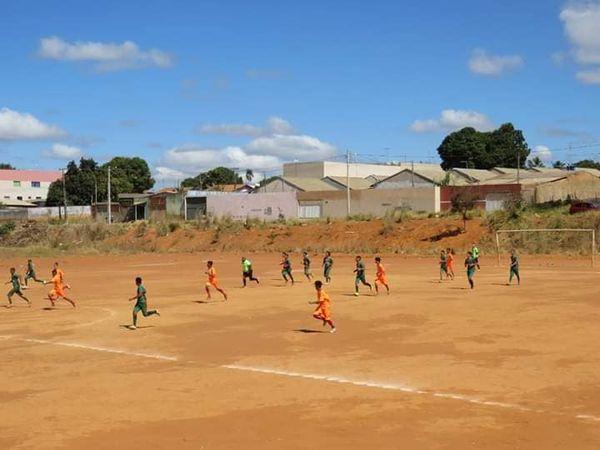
{"points": [[326, 271], [381, 279], [56, 292], [14, 291], [140, 306], [247, 274], [322, 312], [213, 283], [361, 277], [30, 275], [470, 272], [514, 270], [307, 271]]}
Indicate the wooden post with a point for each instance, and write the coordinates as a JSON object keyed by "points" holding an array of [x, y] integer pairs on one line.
{"points": [[498, 247], [593, 248]]}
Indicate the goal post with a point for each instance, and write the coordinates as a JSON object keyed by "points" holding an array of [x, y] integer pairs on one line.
{"points": [[590, 231]]}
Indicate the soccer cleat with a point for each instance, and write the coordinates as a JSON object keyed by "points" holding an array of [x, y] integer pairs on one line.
{"points": [[157, 313], [333, 330], [132, 327], [356, 294]]}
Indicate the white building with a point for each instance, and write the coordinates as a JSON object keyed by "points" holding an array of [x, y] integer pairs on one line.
{"points": [[323, 169], [26, 185]]}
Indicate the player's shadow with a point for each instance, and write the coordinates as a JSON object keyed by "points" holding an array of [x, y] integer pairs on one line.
{"points": [[456, 288], [308, 331], [48, 308], [499, 284], [139, 327], [208, 302]]}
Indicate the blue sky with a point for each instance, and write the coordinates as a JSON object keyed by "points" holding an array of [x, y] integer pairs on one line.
{"points": [[192, 84]]}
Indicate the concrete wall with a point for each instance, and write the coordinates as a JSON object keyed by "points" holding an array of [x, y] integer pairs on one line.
{"points": [[580, 186], [372, 201], [72, 211], [324, 169], [269, 206]]}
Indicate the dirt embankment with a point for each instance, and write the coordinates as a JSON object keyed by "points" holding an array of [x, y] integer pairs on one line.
{"points": [[414, 236]]}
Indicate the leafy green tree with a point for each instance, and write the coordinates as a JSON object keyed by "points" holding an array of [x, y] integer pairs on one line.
{"points": [[559, 165], [6, 166], [588, 164], [535, 162], [219, 175], [82, 181], [135, 170], [503, 147]]}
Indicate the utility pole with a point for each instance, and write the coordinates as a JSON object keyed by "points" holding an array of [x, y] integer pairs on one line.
{"points": [[518, 166], [348, 182], [109, 199], [64, 192], [412, 173]]}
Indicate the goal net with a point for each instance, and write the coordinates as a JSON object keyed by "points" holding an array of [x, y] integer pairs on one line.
{"points": [[570, 241]]}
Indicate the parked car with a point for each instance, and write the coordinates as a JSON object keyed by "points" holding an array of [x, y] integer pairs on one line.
{"points": [[582, 206]]}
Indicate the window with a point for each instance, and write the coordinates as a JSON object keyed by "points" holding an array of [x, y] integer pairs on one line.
{"points": [[38, 198], [7, 196], [36, 184], [19, 197], [16, 183], [29, 198]]}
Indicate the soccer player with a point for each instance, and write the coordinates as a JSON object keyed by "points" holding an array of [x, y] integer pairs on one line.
{"points": [[59, 286], [286, 268], [327, 265], [360, 275], [306, 263], [15, 280], [323, 311], [212, 281], [443, 265], [450, 262], [380, 276], [471, 265], [140, 304], [475, 253], [514, 268], [247, 272], [30, 274]]}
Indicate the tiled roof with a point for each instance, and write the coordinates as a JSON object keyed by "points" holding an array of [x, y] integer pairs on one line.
{"points": [[47, 176]]}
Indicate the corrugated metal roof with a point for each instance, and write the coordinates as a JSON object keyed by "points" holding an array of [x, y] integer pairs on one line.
{"points": [[356, 183], [47, 176], [589, 170], [309, 184], [475, 174]]}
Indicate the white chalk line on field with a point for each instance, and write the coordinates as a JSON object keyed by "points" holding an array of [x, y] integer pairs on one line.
{"points": [[403, 388], [92, 347]]}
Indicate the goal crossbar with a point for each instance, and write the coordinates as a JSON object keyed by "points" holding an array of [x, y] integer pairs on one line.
{"points": [[549, 230]]}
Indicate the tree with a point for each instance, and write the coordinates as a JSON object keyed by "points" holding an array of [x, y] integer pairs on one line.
{"points": [[135, 170], [504, 147], [82, 181], [559, 165], [219, 175], [6, 166], [588, 164], [463, 202], [535, 162]]}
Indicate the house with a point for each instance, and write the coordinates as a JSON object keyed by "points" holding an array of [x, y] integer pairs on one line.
{"points": [[134, 206], [27, 185]]}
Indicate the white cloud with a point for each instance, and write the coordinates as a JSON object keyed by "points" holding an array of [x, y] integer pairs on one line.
{"points": [[296, 147], [62, 151], [274, 125], [591, 76], [542, 152], [168, 174], [483, 63], [104, 56], [15, 125], [581, 22], [193, 159], [272, 144], [453, 119]]}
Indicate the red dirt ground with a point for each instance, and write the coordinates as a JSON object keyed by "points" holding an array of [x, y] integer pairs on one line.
{"points": [[431, 366]]}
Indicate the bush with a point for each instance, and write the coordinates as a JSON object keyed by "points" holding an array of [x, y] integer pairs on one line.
{"points": [[6, 228]]}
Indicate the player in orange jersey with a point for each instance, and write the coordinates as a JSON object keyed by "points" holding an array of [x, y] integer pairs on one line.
{"points": [[380, 277], [323, 311], [59, 286], [212, 281]]}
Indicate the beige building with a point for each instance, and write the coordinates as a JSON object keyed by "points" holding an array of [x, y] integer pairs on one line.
{"points": [[322, 169]]}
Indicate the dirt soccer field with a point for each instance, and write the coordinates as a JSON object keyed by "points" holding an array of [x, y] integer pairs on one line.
{"points": [[431, 366]]}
